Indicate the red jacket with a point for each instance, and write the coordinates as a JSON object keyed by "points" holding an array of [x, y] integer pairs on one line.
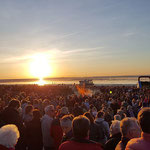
{"points": [[56, 133], [142, 143], [5, 148], [80, 145]]}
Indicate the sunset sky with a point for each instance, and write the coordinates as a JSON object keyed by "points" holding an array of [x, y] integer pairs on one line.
{"points": [[65, 38]]}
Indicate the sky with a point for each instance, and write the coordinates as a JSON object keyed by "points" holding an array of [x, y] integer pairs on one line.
{"points": [[76, 37]]}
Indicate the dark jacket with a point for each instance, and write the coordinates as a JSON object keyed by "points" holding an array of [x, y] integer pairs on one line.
{"points": [[34, 135], [114, 107], [11, 116], [68, 136], [77, 111], [122, 144], [113, 141], [103, 130], [82, 144], [94, 132]]}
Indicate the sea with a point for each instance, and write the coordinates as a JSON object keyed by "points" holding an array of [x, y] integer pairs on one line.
{"points": [[99, 80]]}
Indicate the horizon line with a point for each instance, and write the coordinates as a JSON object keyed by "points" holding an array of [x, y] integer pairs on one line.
{"points": [[73, 77]]}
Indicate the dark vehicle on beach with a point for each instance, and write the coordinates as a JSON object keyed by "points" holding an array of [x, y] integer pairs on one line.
{"points": [[143, 81]]}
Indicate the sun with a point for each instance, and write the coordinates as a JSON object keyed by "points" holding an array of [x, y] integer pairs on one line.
{"points": [[40, 66]]}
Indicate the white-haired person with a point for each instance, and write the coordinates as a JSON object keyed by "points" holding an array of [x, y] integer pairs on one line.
{"points": [[66, 125], [130, 129], [115, 135], [46, 122], [142, 143], [9, 135]]}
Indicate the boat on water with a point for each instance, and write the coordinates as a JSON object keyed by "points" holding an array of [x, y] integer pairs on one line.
{"points": [[143, 82], [86, 82]]}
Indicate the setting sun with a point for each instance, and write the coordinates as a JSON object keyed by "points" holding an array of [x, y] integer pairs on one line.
{"points": [[40, 66]]}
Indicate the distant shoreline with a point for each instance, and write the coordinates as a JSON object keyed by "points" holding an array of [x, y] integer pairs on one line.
{"points": [[98, 80], [75, 78], [71, 78]]}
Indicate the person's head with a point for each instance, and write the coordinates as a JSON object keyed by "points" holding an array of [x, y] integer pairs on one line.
{"points": [[144, 119], [36, 114], [89, 116], [66, 123], [86, 101], [50, 111], [76, 105], [129, 107], [45, 103], [28, 109], [94, 109], [121, 113], [14, 104], [115, 127], [80, 127], [24, 102], [64, 111], [117, 117], [130, 128], [100, 114], [35, 102], [9, 135]]}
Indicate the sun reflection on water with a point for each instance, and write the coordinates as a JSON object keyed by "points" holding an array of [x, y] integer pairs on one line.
{"points": [[41, 82]]}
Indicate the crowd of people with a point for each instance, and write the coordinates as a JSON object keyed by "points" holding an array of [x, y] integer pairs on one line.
{"points": [[63, 117]]}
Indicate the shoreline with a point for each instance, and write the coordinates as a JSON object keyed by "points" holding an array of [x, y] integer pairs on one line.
{"points": [[112, 85]]}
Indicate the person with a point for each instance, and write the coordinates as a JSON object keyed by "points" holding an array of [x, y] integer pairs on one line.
{"points": [[10, 115], [46, 122], [94, 128], [121, 113], [130, 112], [34, 132], [66, 125], [45, 103], [129, 129], [117, 117], [115, 135], [114, 105], [77, 110], [24, 103], [86, 103], [103, 127], [56, 131], [27, 117], [9, 135], [142, 143], [80, 141], [94, 112]]}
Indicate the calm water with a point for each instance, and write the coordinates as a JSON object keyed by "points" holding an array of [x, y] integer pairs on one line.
{"points": [[123, 80]]}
